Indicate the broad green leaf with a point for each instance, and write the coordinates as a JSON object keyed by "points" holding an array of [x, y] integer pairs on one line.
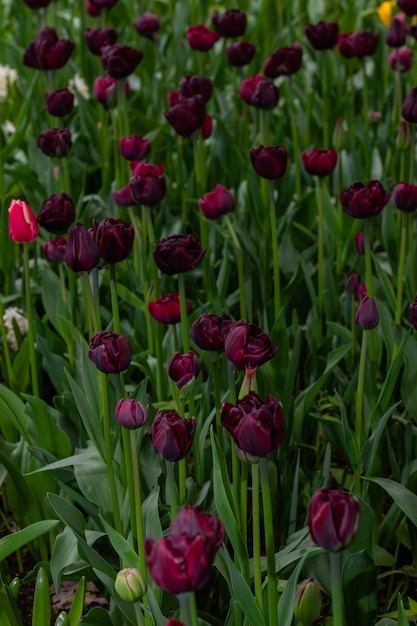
{"points": [[402, 615], [77, 605], [242, 594], [42, 600], [13, 409], [11, 543], [405, 499], [96, 616], [360, 589], [122, 547]]}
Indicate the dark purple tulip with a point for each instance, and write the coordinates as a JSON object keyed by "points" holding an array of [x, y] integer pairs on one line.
{"points": [[82, 253], [47, 52], [401, 59], [209, 331], [147, 24], [361, 292], [409, 108], [247, 346], [105, 91], [147, 184], [333, 519], [413, 312], [57, 213], [240, 53], [60, 102], [183, 367], [120, 60], [257, 427], [196, 85], [55, 142], [396, 35], [259, 92], [269, 161], [91, 9], [133, 148], [166, 310], [54, 250], [405, 197], [352, 283], [364, 43], [123, 197], [322, 36], [130, 413], [360, 242], [408, 6], [367, 315], [182, 561], [37, 4], [98, 38], [110, 352], [231, 23], [362, 201], [284, 61], [217, 203], [100, 5], [178, 253], [345, 45], [201, 38], [207, 127], [319, 162], [187, 115], [114, 239], [172, 435]]}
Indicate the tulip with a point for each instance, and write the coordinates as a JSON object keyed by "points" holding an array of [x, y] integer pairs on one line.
{"points": [[257, 427], [123, 197], [409, 7], [120, 60], [98, 38], [339, 135], [413, 312], [174, 622], [47, 52], [409, 108], [147, 24], [364, 43], [114, 239], [133, 148], [269, 161], [110, 352], [55, 142], [105, 91], [259, 92], [405, 197], [82, 253], [130, 585], [196, 85], [178, 253], [367, 315], [166, 310], [322, 36], [57, 213], [182, 561], [231, 23], [37, 4], [201, 38], [362, 201], [360, 242], [59, 102], [320, 162], [91, 9], [172, 436], [307, 602], [100, 5], [217, 203], [247, 346], [333, 519], [207, 127], [187, 115], [182, 368], [54, 250], [401, 59], [209, 331], [395, 37], [352, 283], [345, 45], [147, 184], [240, 53], [284, 61], [130, 414], [361, 291], [23, 225]]}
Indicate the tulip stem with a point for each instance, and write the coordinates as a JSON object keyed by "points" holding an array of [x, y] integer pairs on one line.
{"points": [[183, 311], [31, 330], [320, 268], [215, 365], [188, 608], [295, 139], [93, 323], [137, 501], [325, 98], [172, 488], [239, 259], [5, 344], [359, 409], [114, 299], [337, 595], [275, 256], [270, 543], [370, 293], [405, 225], [256, 533]]}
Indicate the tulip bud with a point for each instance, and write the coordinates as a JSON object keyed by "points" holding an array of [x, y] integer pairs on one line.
{"points": [[240, 53], [231, 23], [82, 253], [322, 36], [187, 115], [196, 86], [307, 602], [105, 91], [360, 242], [405, 197], [339, 135], [23, 225], [367, 314], [395, 37], [352, 283], [147, 185], [333, 519], [178, 253], [114, 239], [166, 310], [319, 162], [209, 331], [172, 435], [409, 7], [130, 413], [133, 148], [259, 92], [284, 61], [409, 108], [401, 59], [55, 142], [110, 352], [182, 368], [413, 312], [147, 24], [130, 584], [57, 213], [174, 622], [98, 38], [60, 102], [217, 203], [201, 38], [54, 250], [120, 60], [269, 161]]}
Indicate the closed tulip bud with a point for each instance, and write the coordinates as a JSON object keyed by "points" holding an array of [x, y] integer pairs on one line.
{"points": [[60, 102], [409, 108], [174, 622], [361, 291], [82, 253], [401, 59], [201, 38], [413, 312], [55, 142], [187, 115], [259, 92], [362, 201], [166, 310], [47, 52], [409, 7], [147, 184], [207, 127], [320, 162], [209, 331], [322, 36], [196, 85], [307, 602], [395, 37], [120, 60], [247, 346], [130, 414], [23, 225], [352, 283], [182, 368], [403, 136], [284, 61], [405, 197], [217, 203], [105, 91], [333, 519], [345, 45], [57, 213], [133, 148], [98, 38], [240, 53], [110, 352], [147, 24], [269, 161], [172, 436], [54, 250], [364, 43], [114, 239], [339, 135], [360, 242], [123, 197], [178, 254], [367, 315], [231, 23], [130, 584]]}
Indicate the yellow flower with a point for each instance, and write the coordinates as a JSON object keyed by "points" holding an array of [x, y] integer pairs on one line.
{"points": [[385, 11]]}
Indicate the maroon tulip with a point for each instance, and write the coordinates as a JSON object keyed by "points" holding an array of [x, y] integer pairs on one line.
{"points": [[209, 331], [120, 60], [269, 161], [240, 53], [207, 127], [105, 91], [54, 250], [360, 242], [408, 6], [101, 5], [396, 35], [47, 52], [37, 4], [147, 184], [97, 38], [319, 162], [231, 23], [362, 201], [201, 38], [166, 310], [257, 427], [123, 197], [401, 59], [82, 253], [147, 24], [405, 197], [60, 102], [110, 352], [361, 292], [413, 312], [172, 436], [133, 148], [174, 622], [259, 92], [367, 314], [55, 142], [182, 561], [284, 61], [247, 346], [114, 239], [187, 115], [57, 213], [217, 203], [322, 36], [333, 519], [196, 85], [91, 9], [364, 43], [352, 283], [183, 367], [130, 413], [409, 108], [178, 254], [345, 45]]}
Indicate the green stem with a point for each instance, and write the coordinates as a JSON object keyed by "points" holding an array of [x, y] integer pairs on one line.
{"points": [[137, 501], [275, 256], [320, 268], [182, 471], [295, 139], [215, 365], [31, 330], [368, 258], [130, 487], [172, 488], [183, 311], [6, 348], [405, 225], [270, 543], [240, 272], [114, 298], [359, 408], [93, 322], [188, 608], [337, 594], [256, 533], [325, 97]]}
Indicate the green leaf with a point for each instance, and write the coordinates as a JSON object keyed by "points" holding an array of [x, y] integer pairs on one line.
{"points": [[13, 409], [402, 615], [42, 600], [77, 605], [97, 616], [286, 603], [122, 547], [405, 499], [11, 543], [360, 589]]}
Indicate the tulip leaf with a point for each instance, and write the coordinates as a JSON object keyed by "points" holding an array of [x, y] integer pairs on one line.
{"points": [[405, 499], [77, 605], [13, 542], [402, 615], [286, 603], [122, 547], [42, 600], [360, 589], [97, 616]]}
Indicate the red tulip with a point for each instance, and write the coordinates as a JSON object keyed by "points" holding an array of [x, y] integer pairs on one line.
{"points": [[23, 225]]}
